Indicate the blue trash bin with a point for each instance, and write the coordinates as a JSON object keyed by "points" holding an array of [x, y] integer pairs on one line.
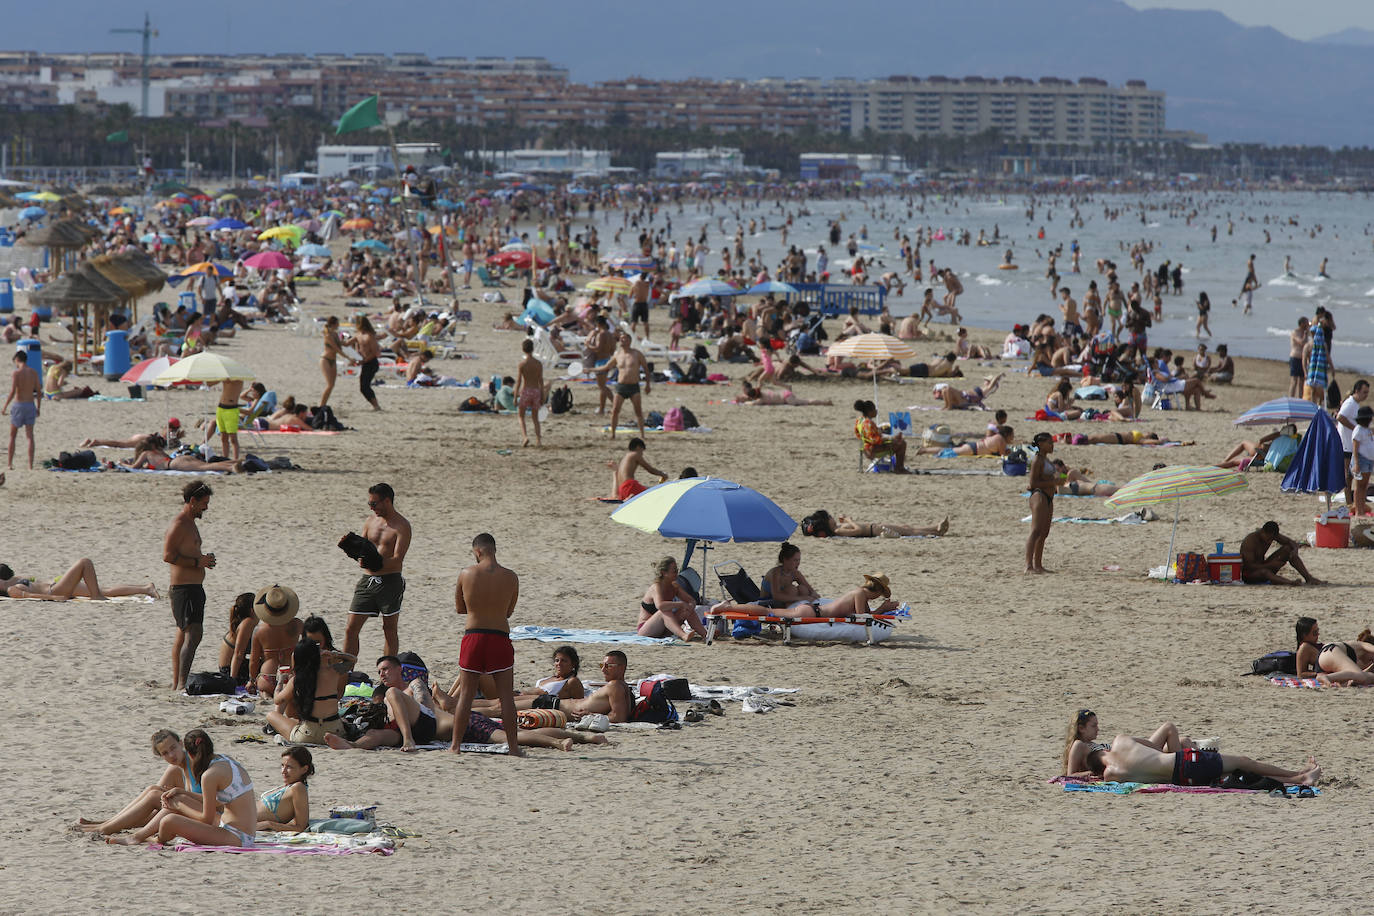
{"points": [[116, 354], [44, 312], [6, 296], [33, 352]]}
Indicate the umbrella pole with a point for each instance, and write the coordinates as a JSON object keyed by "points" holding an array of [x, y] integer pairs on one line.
{"points": [[1172, 535]]}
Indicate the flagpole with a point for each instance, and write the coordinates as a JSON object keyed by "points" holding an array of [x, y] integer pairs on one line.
{"points": [[405, 211]]}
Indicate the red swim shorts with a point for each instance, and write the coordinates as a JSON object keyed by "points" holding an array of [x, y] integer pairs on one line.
{"points": [[486, 652], [630, 488]]}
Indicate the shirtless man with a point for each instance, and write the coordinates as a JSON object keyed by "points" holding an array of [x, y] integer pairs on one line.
{"points": [[639, 295], [615, 700], [624, 485], [379, 593], [953, 290], [181, 550], [629, 362], [227, 415], [1128, 760], [1069, 308], [529, 391], [171, 433], [25, 394], [486, 594], [599, 346], [1297, 341], [1256, 567]]}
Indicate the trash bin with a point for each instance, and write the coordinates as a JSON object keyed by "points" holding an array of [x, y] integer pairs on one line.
{"points": [[6, 296], [33, 350], [116, 354]]}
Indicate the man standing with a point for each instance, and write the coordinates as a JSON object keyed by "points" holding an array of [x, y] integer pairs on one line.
{"points": [[629, 362], [486, 594], [1297, 345], [379, 592], [529, 391], [639, 295], [227, 416], [1345, 420], [181, 551], [25, 393]]}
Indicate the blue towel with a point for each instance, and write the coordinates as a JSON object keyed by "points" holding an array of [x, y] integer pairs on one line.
{"points": [[559, 634]]}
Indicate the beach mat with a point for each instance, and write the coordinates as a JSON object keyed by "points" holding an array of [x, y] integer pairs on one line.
{"points": [[1149, 788], [1289, 681], [561, 634]]}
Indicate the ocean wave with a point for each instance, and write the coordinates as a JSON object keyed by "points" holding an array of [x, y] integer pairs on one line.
{"points": [[985, 280]]}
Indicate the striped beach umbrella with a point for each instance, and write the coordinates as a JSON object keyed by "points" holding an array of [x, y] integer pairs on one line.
{"points": [[1176, 483], [204, 367], [618, 285], [707, 287], [1278, 412], [875, 348]]}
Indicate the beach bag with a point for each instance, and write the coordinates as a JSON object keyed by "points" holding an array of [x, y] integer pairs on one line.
{"points": [[472, 405], [362, 717], [937, 434], [1280, 454], [542, 718], [672, 420], [205, 683], [689, 419], [1190, 567], [77, 461], [696, 373], [1244, 779], [1283, 661], [561, 401], [324, 418], [1015, 464], [654, 705]]}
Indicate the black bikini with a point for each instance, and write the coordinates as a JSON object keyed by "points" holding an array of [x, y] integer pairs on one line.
{"points": [[648, 608], [1340, 645]]}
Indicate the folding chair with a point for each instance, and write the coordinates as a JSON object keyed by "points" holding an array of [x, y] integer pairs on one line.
{"points": [[737, 584], [900, 421], [883, 464]]}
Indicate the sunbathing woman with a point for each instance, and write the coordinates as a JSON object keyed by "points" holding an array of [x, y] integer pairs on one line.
{"points": [[955, 399], [77, 582], [177, 784], [153, 456], [1127, 403], [769, 397], [1247, 454], [311, 691], [235, 644], [1082, 741], [667, 608], [563, 684], [966, 349], [991, 444], [1348, 662], [1060, 401], [286, 809], [786, 584], [872, 440], [1309, 647], [1129, 437], [170, 433], [1075, 482], [822, 524], [850, 604], [226, 814]]}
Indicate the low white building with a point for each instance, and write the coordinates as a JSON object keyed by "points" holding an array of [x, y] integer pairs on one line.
{"points": [[561, 161], [340, 161], [725, 160]]}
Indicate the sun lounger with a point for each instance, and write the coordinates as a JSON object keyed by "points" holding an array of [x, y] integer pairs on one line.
{"points": [[876, 627]]}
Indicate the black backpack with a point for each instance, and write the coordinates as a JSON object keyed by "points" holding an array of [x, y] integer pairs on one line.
{"points": [[689, 419], [77, 461], [206, 683], [696, 373], [561, 400], [1283, 661], [655, 707], [323, 418]]}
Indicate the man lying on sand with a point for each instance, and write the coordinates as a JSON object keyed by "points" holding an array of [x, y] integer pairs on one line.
{"points": [[1128, 760]]}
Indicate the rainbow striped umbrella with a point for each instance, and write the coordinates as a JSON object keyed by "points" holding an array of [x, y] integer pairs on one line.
{"points": [[1277, 412], [875, 348], [1176, 483], [618, 285]]}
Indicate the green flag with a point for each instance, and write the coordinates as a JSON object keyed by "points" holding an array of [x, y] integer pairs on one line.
{"points": [[360, 117], [119, 136]]}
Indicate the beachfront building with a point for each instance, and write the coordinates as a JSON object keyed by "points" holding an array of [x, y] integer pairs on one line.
{"points": [[716, 161], [549, 161], [1051, 110], [850, 166]]}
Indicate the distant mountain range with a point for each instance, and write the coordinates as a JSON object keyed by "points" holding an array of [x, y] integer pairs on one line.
{"points": [[1226, 80]]}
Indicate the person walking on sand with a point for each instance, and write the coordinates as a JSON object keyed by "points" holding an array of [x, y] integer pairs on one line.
{"points": [[181, 551], [379, 592], [529, 391], [25, 393], [227, 416], [369, 350], [486, 595], [1042, 483], [629, 363], [329, 359]]}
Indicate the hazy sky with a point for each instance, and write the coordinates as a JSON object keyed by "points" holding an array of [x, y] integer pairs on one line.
{"points": [[1297, 20]]}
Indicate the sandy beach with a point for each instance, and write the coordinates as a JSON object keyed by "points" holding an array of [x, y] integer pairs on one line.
{"points": [[909, 777]]}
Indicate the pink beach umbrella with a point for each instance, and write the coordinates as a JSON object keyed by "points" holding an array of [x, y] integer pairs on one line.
{"points": [[146, 372], [269, 260]]}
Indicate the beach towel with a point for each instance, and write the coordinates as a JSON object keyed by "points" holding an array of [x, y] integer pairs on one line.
{"points": [[1132, 518], [1285, 680], [957, 472], [560, 634], [465, 747], [300, 844], [657, 429], [120, 467], [94, 470], [731, 692], [115, 400], [1071, 784]]}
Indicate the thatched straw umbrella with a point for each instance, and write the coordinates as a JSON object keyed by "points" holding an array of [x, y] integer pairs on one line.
{"points": [[62, 236], [69, 294]]}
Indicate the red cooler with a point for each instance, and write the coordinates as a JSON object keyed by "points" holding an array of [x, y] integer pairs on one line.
{"points": [[1332, 531], [1223, 568]]}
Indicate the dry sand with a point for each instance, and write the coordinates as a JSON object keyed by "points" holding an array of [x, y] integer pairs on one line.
{"points": [[909, 777]]}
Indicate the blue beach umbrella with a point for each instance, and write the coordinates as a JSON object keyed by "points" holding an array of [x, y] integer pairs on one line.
{"points": [[227, 223], [372, 245], [1278, 412], [777, 287], [314, 251], [708, 287], [1319, 463], [32, 213]]}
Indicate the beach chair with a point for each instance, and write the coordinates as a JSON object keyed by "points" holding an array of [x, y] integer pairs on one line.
{"points": [[738, 584], [900, 422], [188, 299], [716, 620], [487, 279]]}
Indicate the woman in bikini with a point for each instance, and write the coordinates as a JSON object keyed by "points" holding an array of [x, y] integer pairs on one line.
{"points": [[994, 443], [274, 641], [1309, 647], [77, 582], [311, 691], [562, 684], [1082, 741], [227, 811], [286, 809], [667, 608], [1127, 403], [234, 646], [1043, 483], [769, 397], [1074, 482], [786, 584], [177, 783], [329, 359], [1060, 401], [822, 524], [851, 604], [1348, 662], [956, 399]]}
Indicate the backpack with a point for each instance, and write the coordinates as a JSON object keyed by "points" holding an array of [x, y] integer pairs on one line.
{"points": [[473, 405], [324, 418], [205, 683], [361, 717], [689, 419], [654, 705], [672, 420], [696, 373], [561, 401], [1283, 661], [77, 461]]}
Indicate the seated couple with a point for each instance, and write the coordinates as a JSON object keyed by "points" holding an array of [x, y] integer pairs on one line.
{"points": [[851, 604], [1163, 758]]}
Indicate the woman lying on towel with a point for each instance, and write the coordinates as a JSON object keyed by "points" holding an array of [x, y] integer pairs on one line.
{"points": [[1076, 482], [152, 455], [1082, 741], [994, 443], [178, 785], [1129, 437], [850, 604], [225, 814], [1348, 662], [77, 582], [667, 608], [563, 683], [821, 524], [771, 397], [286, 809]]}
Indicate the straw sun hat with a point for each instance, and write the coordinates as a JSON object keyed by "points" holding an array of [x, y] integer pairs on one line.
{"points": [[276, 604], [878, 584]]}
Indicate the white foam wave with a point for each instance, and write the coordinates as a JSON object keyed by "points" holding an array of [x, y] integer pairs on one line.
{"points": [[985, 280]]}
